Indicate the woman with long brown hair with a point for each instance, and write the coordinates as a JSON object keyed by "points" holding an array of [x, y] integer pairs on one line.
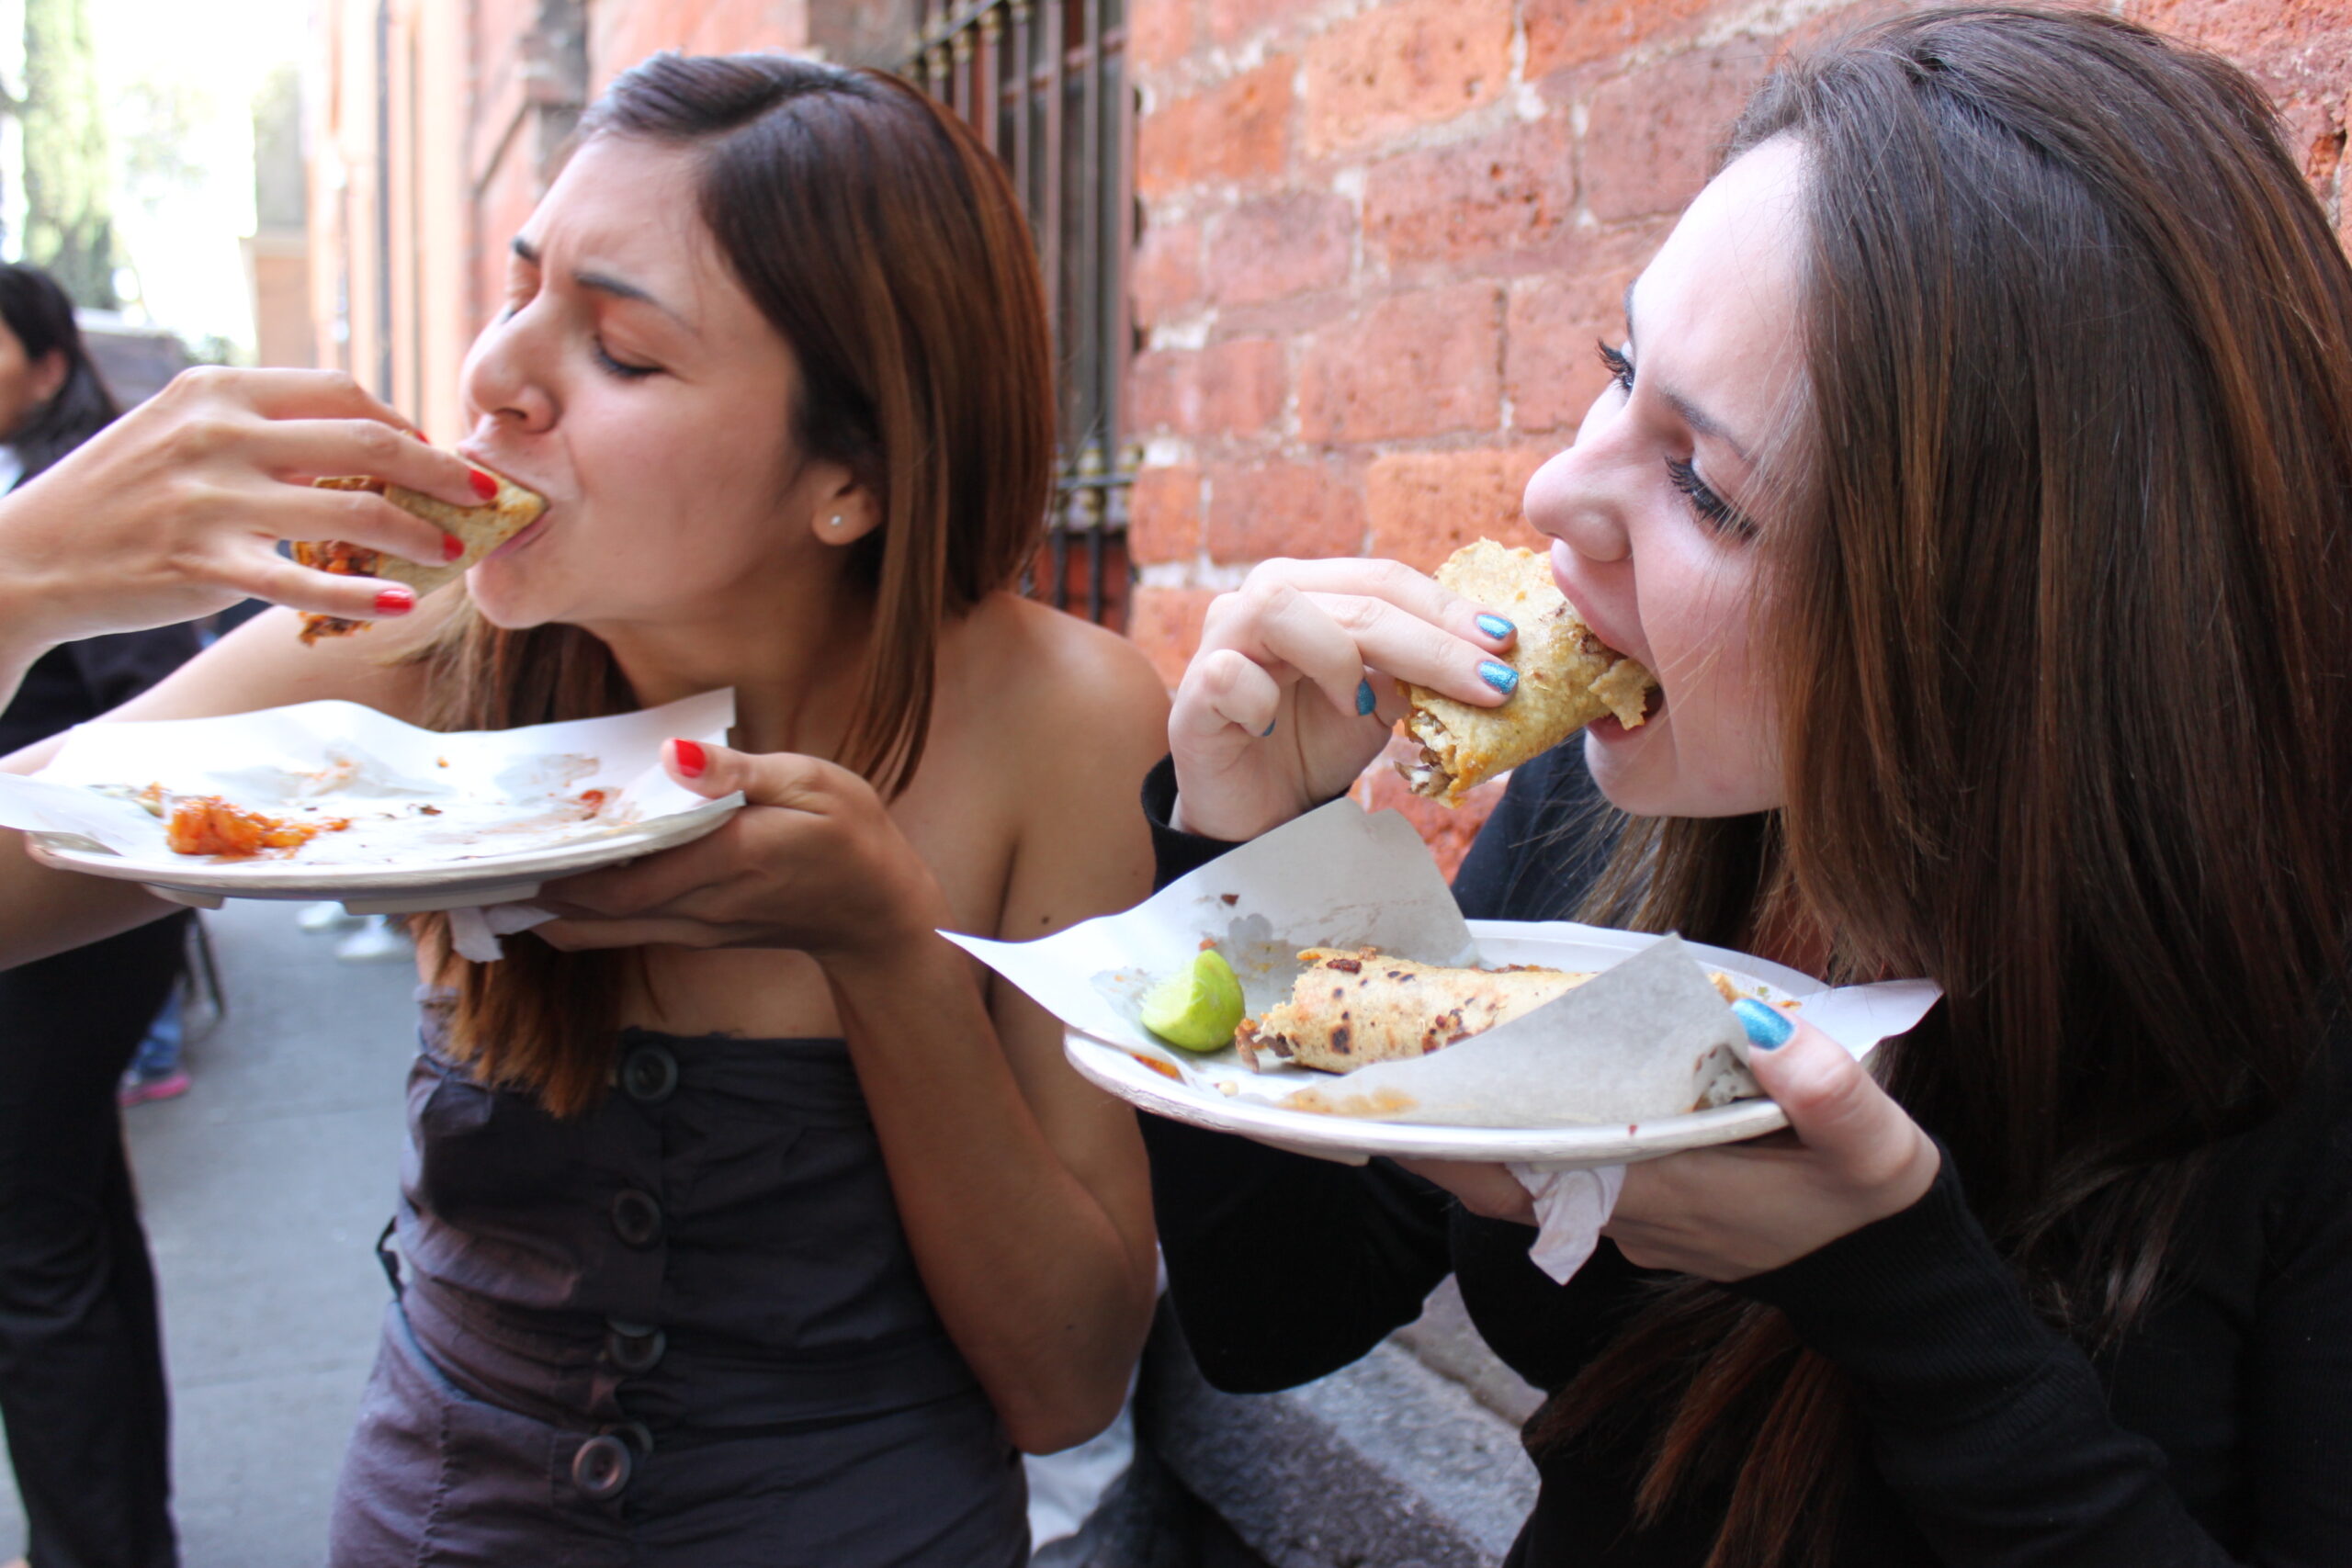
{"points": [[742, 1221], [1976, 476]]}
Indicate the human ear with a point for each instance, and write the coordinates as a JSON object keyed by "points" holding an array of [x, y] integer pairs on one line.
{"points": [[48, 377], [845, 512]]}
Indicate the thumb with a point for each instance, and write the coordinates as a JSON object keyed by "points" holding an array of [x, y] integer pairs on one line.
{"points": [[708, 771], [1833, 1105], [781, 778]]}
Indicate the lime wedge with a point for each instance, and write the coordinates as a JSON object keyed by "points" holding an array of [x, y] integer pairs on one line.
{"points": [[1198, 1010]]}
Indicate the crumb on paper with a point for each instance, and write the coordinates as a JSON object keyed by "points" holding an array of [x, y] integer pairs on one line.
{"points": [[339, 772], [1229, 900], [1209, 944], [1383, 1101], [1227, 1087], [440, 762], [1165, 1069]]}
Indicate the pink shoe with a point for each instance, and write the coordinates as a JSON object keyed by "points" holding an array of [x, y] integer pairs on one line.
{"points": [[138, 1090]]}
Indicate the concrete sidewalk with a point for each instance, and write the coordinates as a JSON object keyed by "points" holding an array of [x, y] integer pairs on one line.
{"points": [[264, 1190]]}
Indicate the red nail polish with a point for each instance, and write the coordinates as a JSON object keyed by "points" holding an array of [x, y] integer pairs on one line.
{"points": [[395, 602], [452, 547], [484, 486], [692, 757]]}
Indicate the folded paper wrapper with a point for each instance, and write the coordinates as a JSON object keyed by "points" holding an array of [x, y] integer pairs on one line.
{"points": [[493, 794], [1650, 1039]]}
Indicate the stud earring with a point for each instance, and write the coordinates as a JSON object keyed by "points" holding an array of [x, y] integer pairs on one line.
{"points": [[836, 521]]}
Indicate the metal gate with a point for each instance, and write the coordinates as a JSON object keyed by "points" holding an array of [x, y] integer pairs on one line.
{"points": [[1044, 83]]}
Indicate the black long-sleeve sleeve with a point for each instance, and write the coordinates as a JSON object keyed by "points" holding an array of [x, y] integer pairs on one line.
{"points": [[1248, 1230], [76, 682], [2005, 1445], [1245, 1227], [2216, 1432]]}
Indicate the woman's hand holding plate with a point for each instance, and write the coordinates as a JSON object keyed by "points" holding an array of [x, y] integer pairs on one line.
{"points": [[813, 862]]}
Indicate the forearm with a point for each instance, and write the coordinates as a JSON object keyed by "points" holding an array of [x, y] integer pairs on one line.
{"points": [[23, 637], [1041, 1289], [1991, 1426], [44, 912], [1283, 1268]]}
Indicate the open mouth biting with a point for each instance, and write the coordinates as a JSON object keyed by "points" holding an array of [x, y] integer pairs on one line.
{"points": [[1608, 727], [519, 541]]}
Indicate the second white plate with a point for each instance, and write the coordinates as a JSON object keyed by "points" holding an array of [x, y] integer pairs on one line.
{"points": [[385, 889]]}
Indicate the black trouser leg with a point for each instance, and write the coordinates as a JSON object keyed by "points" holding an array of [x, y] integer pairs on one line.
{"points": [[81, 1356]]}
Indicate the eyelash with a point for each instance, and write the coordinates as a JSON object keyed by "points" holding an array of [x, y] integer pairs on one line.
{"points": [[1619, 368], [616, 367], [1682, 474]]}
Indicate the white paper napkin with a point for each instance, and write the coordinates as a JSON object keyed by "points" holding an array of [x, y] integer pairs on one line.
{"points": [[1570, 1208], [474, 932]]}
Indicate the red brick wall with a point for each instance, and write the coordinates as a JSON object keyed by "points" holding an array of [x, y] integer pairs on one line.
{"points": [[468, 144], [622, 32], [1380, 237]]}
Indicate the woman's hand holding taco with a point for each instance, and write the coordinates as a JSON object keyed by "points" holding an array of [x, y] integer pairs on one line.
{"points": [[1293, 687], [175, 510]]}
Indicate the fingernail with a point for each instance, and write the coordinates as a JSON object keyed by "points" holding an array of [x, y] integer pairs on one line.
{"points": [[420, 435], [691, 759], [1496, 628], [1767, 1027], [1268, 730], [395, 602], [484, 486], [1502, 677], [452, 547], [1365, 700]]}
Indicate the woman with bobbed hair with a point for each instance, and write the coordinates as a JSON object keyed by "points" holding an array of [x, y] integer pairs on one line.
{"points": [[1976, 475], [742, 1221]]}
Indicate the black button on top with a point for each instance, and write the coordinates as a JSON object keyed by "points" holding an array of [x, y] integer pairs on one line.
{"points": [[636, 1218], [601, 1467], [650, 1074], [634, 1346]]}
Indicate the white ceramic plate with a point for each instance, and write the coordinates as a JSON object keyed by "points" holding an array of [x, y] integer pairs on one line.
{"points": [[386, 889], [1195, 1099], [1351, 1140]]}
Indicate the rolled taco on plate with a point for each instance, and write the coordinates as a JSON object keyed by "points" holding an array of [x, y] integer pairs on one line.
{"points": [[1351, 1008], [1568, 678], [481, 529]]}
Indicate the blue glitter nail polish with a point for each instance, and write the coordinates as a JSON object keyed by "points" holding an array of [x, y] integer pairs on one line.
{"points": [[1365, 700], [1767, 1027], [1502, 677], [1496, 626], [1268, 730]]}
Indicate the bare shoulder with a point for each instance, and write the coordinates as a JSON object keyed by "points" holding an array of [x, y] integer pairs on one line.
{"points": [[1064, 685], [1069, 718]]}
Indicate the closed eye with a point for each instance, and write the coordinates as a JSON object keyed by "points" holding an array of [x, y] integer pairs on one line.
{"points": [[622, 368], [1680, 472], [1710, 508]]}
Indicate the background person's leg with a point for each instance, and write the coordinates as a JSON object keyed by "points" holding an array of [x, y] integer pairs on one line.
{"points": [[82, 1388]]}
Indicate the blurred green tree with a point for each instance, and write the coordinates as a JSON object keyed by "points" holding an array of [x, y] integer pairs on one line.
{"points": [[69, 224]]}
